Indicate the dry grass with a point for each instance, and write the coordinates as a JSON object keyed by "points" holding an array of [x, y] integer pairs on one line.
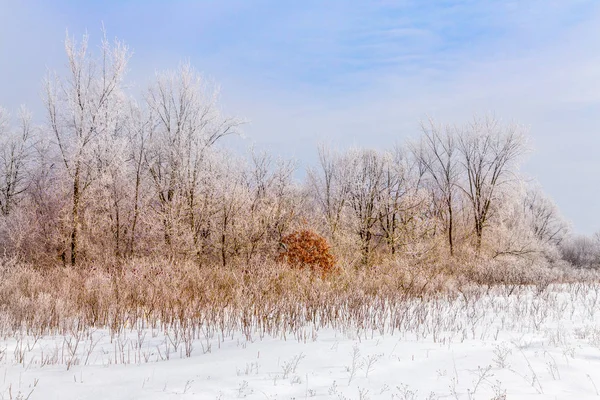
{"points": [[270, 298]]}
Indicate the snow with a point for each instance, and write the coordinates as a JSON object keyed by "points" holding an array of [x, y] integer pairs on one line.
{"points": [[486, 346]]}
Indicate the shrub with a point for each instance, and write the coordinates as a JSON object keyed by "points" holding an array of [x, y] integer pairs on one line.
{"points": [[305, 248]]}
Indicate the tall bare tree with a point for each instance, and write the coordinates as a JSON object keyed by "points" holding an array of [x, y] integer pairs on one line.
{"points": [[488, 152], [231, 203], [437, 154], [83, 109], [543, 217], [329, 187], [188, 121], [139, 127], [365, 185], [402, 208], [15, 153]]}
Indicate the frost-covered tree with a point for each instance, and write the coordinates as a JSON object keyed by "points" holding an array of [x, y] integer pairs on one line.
{"points": [[231, 200], [328, 186], [488, 152], [581, 251], [366, 174], [15, 155], [401, 202], [139, 123], [543, 216], [437, 154], [84, 114], [187, 122], [272, 203]]}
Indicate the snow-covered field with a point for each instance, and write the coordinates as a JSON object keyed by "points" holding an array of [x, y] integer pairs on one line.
{"points": [[480, 345]]}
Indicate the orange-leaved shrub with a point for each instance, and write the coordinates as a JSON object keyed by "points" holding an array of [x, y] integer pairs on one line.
{"points": [[307, 249]]}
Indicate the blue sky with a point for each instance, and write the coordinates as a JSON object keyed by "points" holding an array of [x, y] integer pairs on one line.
{"points": [[355, 72]]}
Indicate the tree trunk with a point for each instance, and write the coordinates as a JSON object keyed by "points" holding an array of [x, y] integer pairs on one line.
{"points": [[479, 234], [136, 211], [75, 216], [450, 229]]}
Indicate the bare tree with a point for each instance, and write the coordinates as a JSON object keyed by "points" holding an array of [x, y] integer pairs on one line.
{"points": [[365, 185], [83, 109], [329, 187], [113, 193], [188, 121], [488, 152], [581, 251], [285, 197], [231, 201], [543, 217], [15, 152], [399, 203], [139, 126], [437, 154], [259, 179]]}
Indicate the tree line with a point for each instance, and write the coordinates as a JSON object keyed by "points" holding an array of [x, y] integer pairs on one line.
{"points": [[107, 178]]}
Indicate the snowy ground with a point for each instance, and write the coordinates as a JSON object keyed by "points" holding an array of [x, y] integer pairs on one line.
{"points": [[494, 346]]}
